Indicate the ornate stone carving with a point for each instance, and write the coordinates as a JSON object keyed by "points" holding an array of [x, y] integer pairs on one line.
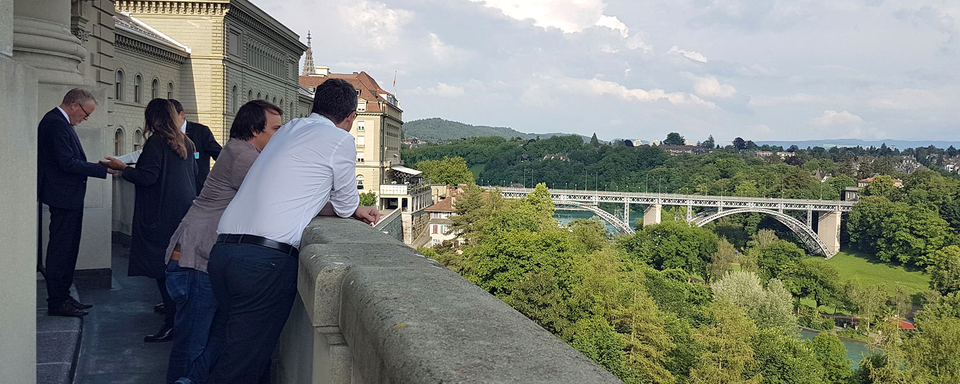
{"points": [[172, 7]]}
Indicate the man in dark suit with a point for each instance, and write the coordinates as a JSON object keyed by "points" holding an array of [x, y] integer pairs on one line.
{"points": [[62, 171], [203, 140]]}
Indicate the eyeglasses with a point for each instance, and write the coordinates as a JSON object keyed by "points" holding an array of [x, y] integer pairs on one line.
{"points": [[84, 111]]}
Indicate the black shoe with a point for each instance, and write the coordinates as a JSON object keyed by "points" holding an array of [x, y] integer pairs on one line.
{"points": [[79, 305], [160, 308], [66, 309], [164, 334]]}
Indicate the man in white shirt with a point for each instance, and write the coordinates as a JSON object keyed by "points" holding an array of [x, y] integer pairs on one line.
{"points": [[309, 168]]}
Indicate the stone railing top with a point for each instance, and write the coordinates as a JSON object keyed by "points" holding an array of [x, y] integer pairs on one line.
{"points": [[408, 319]]}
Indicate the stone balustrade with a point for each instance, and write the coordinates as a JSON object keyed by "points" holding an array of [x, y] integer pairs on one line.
{"points": [[372, 310]]}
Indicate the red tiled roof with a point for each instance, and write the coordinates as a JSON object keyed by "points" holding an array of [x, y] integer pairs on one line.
{"points": [[369, 89], [445, 205]]}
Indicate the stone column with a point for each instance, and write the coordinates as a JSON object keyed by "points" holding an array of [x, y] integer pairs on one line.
{"points": [[18, 228], [626, 214], [42, 40], [651, 215], [829, 231]]}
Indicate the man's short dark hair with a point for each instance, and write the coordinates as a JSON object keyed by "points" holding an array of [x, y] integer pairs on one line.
{"points": [[335, 99], [251, 119], [176, 105]]}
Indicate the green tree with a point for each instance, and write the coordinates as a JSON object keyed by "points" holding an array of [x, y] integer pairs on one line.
{"points": [[882, 186], [673, 245], [816, 279], [933, 353], [945, 271], [722, 261], [449, 171], [368, 199], [778, 259], [708, 143], [896, 230], [785, 359], [727, 353], [594, 142], [674, 138], [832, 355], [770, 307], [596, 338]]}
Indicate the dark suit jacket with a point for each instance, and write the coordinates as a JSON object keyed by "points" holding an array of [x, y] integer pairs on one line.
{"points": [[207, 147], [62, 167]]}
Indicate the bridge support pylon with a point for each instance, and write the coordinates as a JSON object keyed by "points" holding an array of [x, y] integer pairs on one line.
{"points": [[829, 231], [651, 215], [626, 214]]}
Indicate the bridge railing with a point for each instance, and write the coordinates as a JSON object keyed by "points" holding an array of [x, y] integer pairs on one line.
{"points": [[372, 310], [688, 200]]}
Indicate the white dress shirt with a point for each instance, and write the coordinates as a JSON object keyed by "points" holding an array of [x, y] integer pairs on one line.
{"points": [[183, 126], [308, 163], [65, 116]]}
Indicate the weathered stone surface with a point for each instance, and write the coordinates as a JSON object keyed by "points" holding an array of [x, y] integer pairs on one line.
{"points": [[407, 319]]}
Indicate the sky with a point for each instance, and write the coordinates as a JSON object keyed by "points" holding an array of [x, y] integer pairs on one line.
{"points": [[639, 69]]}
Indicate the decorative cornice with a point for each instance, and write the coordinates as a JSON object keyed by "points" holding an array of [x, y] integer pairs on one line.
{"points": [[173, 7], [128, 43], [293, 47]]}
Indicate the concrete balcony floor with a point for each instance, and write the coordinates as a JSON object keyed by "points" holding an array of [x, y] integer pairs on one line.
{"points": [[112, 348]]}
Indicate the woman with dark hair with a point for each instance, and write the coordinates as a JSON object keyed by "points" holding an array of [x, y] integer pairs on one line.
{"points": [[194, 344], [164, 177]]}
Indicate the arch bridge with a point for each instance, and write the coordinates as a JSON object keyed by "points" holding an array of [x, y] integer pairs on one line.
{"points": [[825, 240]]}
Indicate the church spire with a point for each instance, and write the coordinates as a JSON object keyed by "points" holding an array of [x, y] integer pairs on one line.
{"points": [[308, 67]]}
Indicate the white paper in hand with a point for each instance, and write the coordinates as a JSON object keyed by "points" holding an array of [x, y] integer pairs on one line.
{"points": [[130, 158]]}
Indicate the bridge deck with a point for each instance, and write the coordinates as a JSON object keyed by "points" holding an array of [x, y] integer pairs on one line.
{"points": [[719, 202]]}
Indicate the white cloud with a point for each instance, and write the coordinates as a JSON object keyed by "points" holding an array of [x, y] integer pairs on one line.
{"points": [[570, 16], [442, 90], [376, 24], [831, 118], [760, 129], [636, 42], [908, 99], [598, 87], [710, 87], [692, 55], [774, 101]]}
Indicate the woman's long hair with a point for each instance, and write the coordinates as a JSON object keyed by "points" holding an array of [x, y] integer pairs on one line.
{"points": [[160, 121]]}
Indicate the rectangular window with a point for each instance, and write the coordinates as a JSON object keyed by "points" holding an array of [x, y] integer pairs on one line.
{"points": [[360, 159], [360, 141], [361, 126]]}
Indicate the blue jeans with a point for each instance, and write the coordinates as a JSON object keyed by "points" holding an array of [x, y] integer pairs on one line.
{"points": [[196, 308]]}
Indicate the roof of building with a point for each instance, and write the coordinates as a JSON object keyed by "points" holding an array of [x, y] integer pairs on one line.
{"points": [[369, 89], [125, 22], [445, 205], [409, 171]]}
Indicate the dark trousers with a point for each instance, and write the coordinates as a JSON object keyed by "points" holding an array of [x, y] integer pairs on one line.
{"points": [[196, 307], [168, 303], [255, 287], [62, 251]]}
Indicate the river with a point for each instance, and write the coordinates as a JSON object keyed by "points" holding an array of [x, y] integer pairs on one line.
{"points": [[856, 350], [565, 217]]}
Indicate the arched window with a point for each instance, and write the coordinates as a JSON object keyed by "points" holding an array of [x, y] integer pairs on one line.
{"points": [[118, 142], [137, 84], [236, 99], [249, 95], [266, 97], [137, 139], [118, 85], [155, 89], [170, 90], [258, 96], [359, 182], [274, 100]]}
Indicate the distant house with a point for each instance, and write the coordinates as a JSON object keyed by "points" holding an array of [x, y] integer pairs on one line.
{"points": [[691, 149], [412, 142], [440, 224], [781, 155], [557, 156], [822, 176], [853, 193]]}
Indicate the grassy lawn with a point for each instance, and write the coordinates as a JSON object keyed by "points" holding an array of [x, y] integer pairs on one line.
{"points": [[476, 170], [869, 271]]}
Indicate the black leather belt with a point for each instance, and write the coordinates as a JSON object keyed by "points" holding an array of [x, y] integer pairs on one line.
{"points": [[258, 240]]}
